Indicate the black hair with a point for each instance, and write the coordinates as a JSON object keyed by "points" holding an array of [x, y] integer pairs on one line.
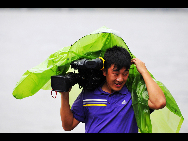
{"points": [[118, 56]]}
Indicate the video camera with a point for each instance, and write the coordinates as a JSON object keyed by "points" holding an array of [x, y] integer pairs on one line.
{"points": [[89, 75]]}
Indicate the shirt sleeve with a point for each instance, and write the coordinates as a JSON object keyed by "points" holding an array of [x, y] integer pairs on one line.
{"points": [[78, 110]]}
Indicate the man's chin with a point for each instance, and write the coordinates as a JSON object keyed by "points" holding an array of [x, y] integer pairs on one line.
{"points": [[117, 88]]}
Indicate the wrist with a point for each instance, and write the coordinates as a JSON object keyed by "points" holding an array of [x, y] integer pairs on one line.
{"points": [[64, 95], [145, 73]]}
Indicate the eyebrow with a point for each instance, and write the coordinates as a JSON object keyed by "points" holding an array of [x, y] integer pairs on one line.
{"points": [[115, 69], [118, 70]]}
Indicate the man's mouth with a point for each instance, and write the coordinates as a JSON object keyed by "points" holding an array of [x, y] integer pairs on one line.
{"points": [[118, 84]]}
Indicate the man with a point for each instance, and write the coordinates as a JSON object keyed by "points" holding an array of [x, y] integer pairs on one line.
{"points": [[108, 109]]}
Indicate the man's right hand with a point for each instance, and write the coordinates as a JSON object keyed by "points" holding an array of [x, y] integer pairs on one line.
{"points": [[66, 92]]}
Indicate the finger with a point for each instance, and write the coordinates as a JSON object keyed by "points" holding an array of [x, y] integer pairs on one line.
{"points": [[133, 61]]}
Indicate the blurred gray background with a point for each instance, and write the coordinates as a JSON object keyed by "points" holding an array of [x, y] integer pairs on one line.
{"points": [[159, 37]]}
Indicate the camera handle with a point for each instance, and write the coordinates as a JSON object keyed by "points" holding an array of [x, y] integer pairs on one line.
{"points": [[52, 95], [102, 62]]}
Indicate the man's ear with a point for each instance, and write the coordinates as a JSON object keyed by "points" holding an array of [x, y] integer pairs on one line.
{"points": [[104, 72]]}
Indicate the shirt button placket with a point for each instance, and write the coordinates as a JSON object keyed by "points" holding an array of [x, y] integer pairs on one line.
{"points": [[109, 101]]}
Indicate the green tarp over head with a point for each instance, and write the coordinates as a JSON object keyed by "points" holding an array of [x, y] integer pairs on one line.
{"points": [[94, 45]]}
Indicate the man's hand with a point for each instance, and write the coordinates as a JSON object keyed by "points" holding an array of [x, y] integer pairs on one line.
{"points": [[139, 65], [66, 92]]}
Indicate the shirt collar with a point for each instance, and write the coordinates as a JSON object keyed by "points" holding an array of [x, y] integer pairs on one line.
{"points": [[99, 90]]}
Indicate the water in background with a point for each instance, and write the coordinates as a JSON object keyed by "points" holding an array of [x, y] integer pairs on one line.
{"points": [[27, 37]]}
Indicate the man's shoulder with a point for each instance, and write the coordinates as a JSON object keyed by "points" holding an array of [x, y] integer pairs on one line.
{"points": [[94, 91], [85, 91]]}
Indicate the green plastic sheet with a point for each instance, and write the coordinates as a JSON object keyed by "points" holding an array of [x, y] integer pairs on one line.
{"points": [[94, 45]]}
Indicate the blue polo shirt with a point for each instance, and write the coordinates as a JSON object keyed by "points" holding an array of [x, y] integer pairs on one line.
{"points": [[105, 113]]}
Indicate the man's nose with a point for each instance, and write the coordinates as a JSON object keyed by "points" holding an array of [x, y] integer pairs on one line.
{"points": [[119, 78]]}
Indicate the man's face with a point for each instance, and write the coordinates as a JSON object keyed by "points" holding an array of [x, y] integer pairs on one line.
{"points": [[115, 79]]}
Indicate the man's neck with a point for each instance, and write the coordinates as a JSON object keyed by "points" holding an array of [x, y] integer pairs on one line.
{"points": [[106, 88]]}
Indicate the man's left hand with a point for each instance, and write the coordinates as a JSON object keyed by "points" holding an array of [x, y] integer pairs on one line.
{"points": [[139, 65]]}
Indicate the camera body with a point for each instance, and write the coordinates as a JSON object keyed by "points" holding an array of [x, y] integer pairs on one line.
{"points": [[89, 75]]}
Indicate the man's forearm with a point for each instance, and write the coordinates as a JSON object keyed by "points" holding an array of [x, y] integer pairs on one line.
{"points": [[157, 99], [65, 112]]}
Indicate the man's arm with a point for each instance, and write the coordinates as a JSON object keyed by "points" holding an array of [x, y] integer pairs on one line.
{"points": [[157, 98], [68, 121]]}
